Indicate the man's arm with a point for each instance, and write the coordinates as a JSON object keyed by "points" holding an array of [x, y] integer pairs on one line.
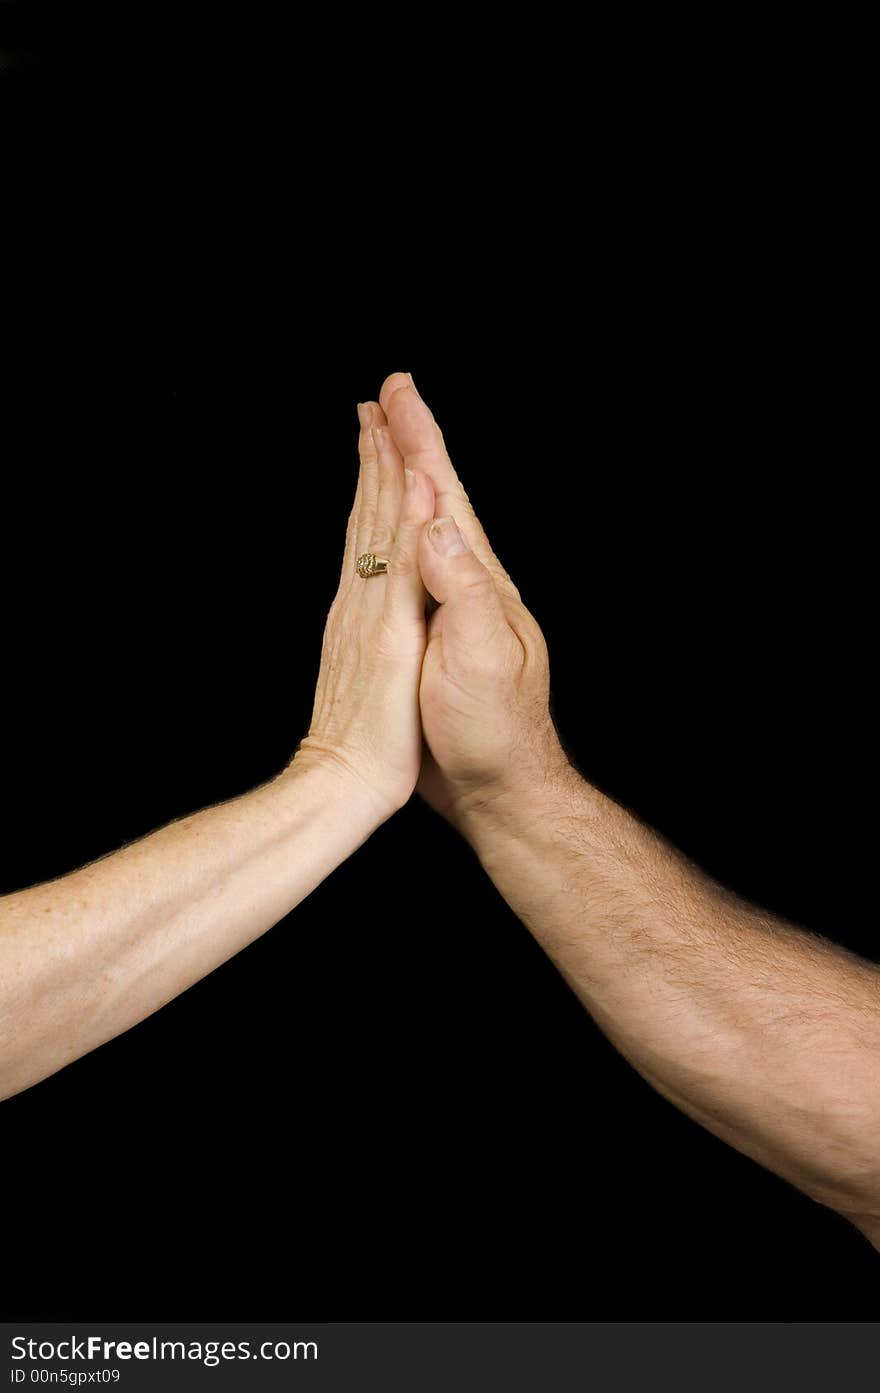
{"points": [[767, 1035], [85, 957]]}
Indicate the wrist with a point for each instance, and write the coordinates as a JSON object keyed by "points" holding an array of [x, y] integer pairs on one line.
{"points": [[340, 783], [528, 789], [525, 830]]}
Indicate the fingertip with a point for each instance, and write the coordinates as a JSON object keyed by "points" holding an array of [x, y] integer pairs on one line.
{"points": [[370, 415], [393, 383], [430, 568], [446, 538], [413, 427]]}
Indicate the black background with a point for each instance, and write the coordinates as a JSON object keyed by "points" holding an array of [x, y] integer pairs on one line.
{"points": [[635, 348]]}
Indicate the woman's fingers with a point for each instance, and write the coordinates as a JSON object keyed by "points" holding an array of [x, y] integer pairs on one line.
{"points": [[369, 414], [404, 591], [349, 555], [378, 534], [420, 442]]}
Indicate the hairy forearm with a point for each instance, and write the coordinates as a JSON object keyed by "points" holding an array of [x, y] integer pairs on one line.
{"points": [[85, 957], [767, 1035]]}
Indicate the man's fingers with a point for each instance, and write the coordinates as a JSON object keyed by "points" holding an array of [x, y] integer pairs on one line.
{"points": [[416, 432], [404, 592], [470, 606], [420, 442]]}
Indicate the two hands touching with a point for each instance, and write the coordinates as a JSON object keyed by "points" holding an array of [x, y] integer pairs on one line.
{"points": [[456, 702], [674, 969], [472, 679], [766, 1034]]}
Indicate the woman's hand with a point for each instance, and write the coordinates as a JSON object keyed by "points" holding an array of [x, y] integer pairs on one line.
{"points": [[365, 721], [85, 957], [485, 678]]}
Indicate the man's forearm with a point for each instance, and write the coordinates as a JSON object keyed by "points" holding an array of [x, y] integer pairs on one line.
{"points": [[767, 1035], [85, 957]]}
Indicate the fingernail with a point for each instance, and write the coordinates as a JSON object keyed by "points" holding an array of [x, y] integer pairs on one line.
{"points": [[365, 413], [409, 479], [446, 538], [412, 384]]}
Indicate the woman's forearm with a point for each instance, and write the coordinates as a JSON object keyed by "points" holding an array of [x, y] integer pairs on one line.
{"points": [[766, 1034], [85, 957]]}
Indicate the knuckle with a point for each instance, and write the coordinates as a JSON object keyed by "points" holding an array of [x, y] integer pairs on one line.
{"points": [[401, 563], [460, 501], [381, 538], [387, 468], [531, 638], [507, 585], [369, 498], [534, 633], [476, 581], [366, 448], [386, 641]]}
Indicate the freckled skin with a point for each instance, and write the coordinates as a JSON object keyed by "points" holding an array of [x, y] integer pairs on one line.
{"points": [[126, 934], [767, 1035]]}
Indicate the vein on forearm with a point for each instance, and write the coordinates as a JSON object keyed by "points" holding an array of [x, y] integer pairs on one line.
{"points": [[764, 1032], [86, 956]]}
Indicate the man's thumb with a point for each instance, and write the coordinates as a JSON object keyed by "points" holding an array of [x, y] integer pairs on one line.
{"points": [[460, 583]]}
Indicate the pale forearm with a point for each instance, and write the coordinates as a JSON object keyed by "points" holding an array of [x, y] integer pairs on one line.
{"points": [[85, 957], [767, 1035]]}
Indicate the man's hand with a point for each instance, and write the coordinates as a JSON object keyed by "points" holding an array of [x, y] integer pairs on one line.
{"points": [[767, 1035], [485, 678]]}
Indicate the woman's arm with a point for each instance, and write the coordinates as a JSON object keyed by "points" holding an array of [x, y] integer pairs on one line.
{"points": [[85, 957]]}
